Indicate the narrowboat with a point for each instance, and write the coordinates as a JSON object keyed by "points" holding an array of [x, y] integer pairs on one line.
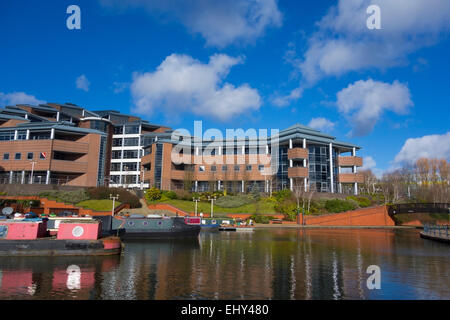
{"points": [[30, 237], [155, 227], [213, 224]]}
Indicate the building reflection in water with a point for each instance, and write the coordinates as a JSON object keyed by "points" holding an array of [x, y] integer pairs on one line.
{"points": [[265, 264]]}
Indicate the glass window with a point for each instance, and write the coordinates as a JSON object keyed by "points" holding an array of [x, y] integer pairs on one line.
{"points": [[236, 168], [116, 155], [118, 130], [117, 142], [224, 168], [132, 129], [18, 156], [115, 166], [261, 167], [131, 154], [129, 166], [213, 168], [248, 168], [6, 156], [30, 156], [131, 142], [21, 135], [7, 135], [201, 168]]}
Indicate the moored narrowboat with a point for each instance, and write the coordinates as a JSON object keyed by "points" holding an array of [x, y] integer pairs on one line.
{"points": [[30, 237]]}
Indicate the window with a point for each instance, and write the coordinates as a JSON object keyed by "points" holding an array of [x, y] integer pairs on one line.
{"points": [[21, 135], [134, 129], [18, 156], [236, 168], [115, 166], [213, 168], [131, 154], [201, 168], [224, 168], [117, 142], [131, 142], [7, 135], [129, 166], [261, 167], [118, 130], [248, 167], [6, 156], [116, 155], [30, 156]]}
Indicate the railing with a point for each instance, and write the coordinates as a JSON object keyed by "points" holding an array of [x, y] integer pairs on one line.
{"points": [[436, 230], [419, 208]]}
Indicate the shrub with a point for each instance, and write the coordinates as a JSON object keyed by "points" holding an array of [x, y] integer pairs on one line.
{"points": [[153, 194], [184, 195], [170, 195], [337, 205], [261, 218], [125, 197], [72, 197], [288, 208], [282, 195]]}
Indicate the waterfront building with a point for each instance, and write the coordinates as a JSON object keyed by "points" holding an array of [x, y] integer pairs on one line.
{"points": [[302, 158], [66, 144]]}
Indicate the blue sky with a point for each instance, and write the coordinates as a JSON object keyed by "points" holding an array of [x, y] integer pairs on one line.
{"points": [[250, 64]]}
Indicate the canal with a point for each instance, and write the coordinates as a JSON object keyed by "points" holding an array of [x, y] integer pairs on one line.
{"points": [[266, 264]]}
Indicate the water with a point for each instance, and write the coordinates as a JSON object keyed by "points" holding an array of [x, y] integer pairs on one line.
{"points": [[265, 264]]}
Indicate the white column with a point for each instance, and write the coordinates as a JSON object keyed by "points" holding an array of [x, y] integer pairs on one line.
{"points": [[196, 186], [243, 149], [267, 149], [356, 188], [52, 134], [15, 134], [242, 186], [10, 177], [354, 152], [218, 185], [291, 184], [305, 182], [28, 134], [47, 179], [22, 180], [290, 143], [331, 168], [57, 116]]}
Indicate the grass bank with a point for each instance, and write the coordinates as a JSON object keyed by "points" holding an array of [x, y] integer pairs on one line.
{"points": [[98, 205]]}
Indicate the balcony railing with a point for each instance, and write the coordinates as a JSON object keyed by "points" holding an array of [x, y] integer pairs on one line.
{"points": [[350, 161], [351, 178], [298, 172], [297, 153]]}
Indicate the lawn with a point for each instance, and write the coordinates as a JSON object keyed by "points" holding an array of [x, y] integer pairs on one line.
{"points": [[422, 217], [98, 205], [261, 207]]}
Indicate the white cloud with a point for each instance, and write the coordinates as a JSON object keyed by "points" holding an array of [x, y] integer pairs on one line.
{"points": [[321, 124], [120, 86], [18, 98], [183, 84], [343, 42], [82, 83], [369, 163], [363, 102], [431, 146], [219, 22]]}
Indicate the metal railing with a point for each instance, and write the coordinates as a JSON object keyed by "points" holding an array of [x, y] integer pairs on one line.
{"points": [[419, 208], [436, 229]]}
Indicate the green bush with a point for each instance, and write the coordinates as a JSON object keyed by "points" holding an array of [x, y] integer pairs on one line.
{"points": [[170, 195], [72, 197], [282, 195], [363, 202], [103, 193], [153, 194], [337, 205], [261, 219]]}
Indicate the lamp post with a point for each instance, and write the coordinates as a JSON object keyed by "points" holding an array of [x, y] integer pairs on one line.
{"points": [[32, 171], [196, 200], [212, 205], [114, 202]]}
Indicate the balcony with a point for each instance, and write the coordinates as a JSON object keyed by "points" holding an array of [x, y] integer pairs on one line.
{"points": [[70, 146], [351, 178], [69, 166], [298, 172], [297, 153], [350, 161]]}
